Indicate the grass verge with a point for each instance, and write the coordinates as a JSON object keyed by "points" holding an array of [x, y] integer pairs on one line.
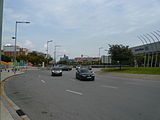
{"points": [[135, 70]]}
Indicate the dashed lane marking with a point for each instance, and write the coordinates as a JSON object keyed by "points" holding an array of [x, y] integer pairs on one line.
{"points": [[107, 86], [78, 93], [43, 81]]}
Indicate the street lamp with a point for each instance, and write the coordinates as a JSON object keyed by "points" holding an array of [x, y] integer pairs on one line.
{"points": [[100, 51], [55, 50], [100, 54], [15, 37], [1, 21], [47, 49]]}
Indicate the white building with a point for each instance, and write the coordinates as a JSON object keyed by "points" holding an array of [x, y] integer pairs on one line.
{"points": [[147, 48]]}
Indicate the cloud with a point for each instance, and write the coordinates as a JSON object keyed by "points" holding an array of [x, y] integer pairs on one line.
{"points": [[28, 44], [80, 21], [13, 16], [94, 14]]}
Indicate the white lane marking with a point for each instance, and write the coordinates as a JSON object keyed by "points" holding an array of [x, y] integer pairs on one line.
{"points": [[78, 93], [43, 81], [113, 87]]}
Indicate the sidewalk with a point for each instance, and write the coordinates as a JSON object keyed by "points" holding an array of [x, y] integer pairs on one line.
{"points": [[5, 115], [4, 112]]}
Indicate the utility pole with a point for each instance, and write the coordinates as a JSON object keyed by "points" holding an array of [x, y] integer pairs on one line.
{"points": [[47, 50], [55, 52], [100, 54], [1, 23], [15, 37]]}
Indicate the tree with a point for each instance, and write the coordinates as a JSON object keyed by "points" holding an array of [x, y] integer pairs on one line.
{"points": [[37, 60], [22, 57], [6, 58], [34, 53], [121, 54], [63, 62], [139, 60]]}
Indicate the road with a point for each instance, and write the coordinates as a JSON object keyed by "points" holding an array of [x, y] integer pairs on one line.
{"points": [[44, 97]]}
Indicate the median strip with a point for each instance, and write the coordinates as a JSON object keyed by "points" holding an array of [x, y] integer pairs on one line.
{"points": [[78, 93]]}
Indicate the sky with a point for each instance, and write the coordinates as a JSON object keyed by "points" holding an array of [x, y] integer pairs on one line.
{"points": [[79, 26]]}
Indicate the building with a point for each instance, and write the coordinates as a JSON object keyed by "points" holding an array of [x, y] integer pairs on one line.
{"points": [[92, 59], [153, 48], [106, 59], [64, 58], [151, 53], [9, 50]]}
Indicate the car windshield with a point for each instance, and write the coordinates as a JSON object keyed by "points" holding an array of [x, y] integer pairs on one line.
{"points": [[57, 68], [85, 71]]}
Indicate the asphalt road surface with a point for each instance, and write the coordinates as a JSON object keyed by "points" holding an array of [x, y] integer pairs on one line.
{"points": [[44, 97]]}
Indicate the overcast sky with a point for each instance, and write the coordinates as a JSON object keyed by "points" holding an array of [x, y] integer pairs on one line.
{"points": [[79, 26]]}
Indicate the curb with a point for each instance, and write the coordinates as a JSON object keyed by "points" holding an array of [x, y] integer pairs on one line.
{"points": [[13, 109]]}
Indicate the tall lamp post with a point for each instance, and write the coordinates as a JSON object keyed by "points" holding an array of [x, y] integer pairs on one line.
{"points": [[15, 37], [1, 21], [100, 54], [47, 49], [55, 51]]}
